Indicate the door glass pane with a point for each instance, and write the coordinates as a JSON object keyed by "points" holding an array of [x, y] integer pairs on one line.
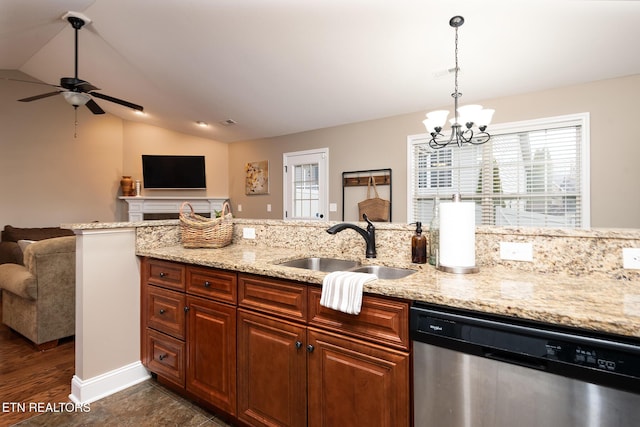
{"points": [[305, 190]]}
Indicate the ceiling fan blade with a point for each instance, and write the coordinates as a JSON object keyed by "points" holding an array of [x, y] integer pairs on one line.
{"points": [[27, 81], [94, 107], [117, 101], [36, 97]]}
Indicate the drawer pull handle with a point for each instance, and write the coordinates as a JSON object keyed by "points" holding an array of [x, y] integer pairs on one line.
{"points": [[162, 356], [162, 311], [207, 284], [310, 348], [298, 344], [162, 274]]}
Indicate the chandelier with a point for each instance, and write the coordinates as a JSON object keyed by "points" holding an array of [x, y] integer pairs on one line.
{"points": [[468, 115]]}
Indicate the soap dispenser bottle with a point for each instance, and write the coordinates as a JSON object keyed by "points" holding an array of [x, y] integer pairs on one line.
{"points": [[419, 246]]}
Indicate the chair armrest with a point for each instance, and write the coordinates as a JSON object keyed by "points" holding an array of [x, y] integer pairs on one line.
{"points": [[18, 280]]}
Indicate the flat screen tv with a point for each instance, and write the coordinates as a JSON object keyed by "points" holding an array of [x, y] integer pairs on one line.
{"points": [[162, 172]]}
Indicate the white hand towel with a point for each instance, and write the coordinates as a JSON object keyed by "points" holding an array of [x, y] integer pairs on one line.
{"points": [[342, 290]]}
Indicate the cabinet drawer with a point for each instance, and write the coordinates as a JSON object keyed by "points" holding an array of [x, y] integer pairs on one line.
{"points": [[165, 311], [164, 273], [211, 283], [380, 320], [278, 297], [166, 356]]}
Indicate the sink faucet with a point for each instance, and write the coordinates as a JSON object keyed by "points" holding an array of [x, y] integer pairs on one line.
{"points": [[369, 235]]}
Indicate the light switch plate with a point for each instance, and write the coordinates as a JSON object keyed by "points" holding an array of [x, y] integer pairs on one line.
{"points": [[631, 258], [333, 207], [249, 233], [515, 251]]}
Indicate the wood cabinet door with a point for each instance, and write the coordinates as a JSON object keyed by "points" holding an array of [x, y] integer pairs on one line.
{"points": [[352, 383], [272, 359], [211, 352]]}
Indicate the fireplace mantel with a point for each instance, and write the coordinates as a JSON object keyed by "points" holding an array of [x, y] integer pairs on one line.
{"points": [[140, 205]]}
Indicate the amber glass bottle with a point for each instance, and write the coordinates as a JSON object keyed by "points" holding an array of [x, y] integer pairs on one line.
{"points": [[418, 246]]}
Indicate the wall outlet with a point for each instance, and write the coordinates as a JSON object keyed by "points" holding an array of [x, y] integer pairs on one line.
{"points": [[631, 258], [239, 208], [249, 233], [268, 207], [514, 251], [333, 207]]}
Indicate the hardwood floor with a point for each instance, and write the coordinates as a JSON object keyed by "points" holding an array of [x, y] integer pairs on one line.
{"points": [[28, 375]]}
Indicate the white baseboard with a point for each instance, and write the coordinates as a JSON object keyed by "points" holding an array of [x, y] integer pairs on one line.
{"points": [[92, 389]]}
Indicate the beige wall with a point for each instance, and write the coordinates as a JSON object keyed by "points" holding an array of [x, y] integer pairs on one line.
{"points": [[615, 150], [48, 177], [143, 139]]}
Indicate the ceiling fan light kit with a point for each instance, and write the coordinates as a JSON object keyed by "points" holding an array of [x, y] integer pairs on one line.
{"points": [[467, 115], [76, 98]]}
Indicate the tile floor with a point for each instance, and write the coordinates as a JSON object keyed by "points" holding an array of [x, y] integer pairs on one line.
{"points": [[145, 404]]}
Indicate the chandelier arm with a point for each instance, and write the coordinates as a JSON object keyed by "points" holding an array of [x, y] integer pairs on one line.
{"points": [[436, 144], [465, 136], [481, 138]]}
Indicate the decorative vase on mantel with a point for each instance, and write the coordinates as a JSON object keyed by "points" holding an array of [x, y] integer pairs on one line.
{"points": [[126, 184]]}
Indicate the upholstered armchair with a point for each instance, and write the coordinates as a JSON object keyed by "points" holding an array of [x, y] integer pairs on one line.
{"points": [[38, 298]]}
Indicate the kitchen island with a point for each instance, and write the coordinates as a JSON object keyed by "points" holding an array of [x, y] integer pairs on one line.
{"points": [[576, 280]]}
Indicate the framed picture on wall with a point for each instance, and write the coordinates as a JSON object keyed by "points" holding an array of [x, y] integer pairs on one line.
{"points": [[257, 180]]}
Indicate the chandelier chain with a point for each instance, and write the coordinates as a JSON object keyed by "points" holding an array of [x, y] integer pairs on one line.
{"points": [[456, 69]]}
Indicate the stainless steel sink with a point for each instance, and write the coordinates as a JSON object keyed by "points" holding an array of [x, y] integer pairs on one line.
{"points": [[386, 273], [328, 265], [321, 264]]}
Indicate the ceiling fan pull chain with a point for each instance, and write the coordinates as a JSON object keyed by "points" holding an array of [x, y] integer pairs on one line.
{"points": [[75, 121]]}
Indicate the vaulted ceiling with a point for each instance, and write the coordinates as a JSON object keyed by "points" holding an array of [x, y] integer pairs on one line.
{"points": [[282, 66]]}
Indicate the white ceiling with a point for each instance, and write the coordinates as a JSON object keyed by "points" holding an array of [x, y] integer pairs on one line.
{"points": [[283, 66]]}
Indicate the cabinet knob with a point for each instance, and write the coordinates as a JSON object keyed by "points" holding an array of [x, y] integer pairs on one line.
{"points": [[298, 344], [162, 311], [310, 348], [162, 356], [162, 274], [207, 284]]}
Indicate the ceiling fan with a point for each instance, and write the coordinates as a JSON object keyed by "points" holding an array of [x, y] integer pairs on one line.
{"points": [[74, 90]]}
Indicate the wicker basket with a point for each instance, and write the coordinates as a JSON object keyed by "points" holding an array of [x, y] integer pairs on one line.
{"points": [[200, 232]]}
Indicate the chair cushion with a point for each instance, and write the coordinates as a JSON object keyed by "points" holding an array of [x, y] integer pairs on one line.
{"points": [[18, 280]]}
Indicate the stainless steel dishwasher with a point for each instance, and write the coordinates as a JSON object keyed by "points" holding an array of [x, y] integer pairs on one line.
{"points": [[473, 370]]}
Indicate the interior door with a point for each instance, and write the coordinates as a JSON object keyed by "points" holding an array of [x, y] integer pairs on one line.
{"points": [[306, 185]]}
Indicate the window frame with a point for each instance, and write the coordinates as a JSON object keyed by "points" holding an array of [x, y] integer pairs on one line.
{"points": [[578, 119]]}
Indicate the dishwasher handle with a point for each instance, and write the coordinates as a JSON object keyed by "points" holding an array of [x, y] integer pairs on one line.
{"points": [[515, 358]]}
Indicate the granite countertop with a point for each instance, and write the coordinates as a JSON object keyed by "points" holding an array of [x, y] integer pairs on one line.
{"points": [[592, 302]]}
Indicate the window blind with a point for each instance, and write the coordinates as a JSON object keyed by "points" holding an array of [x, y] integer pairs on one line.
{"points": [[528, 174]]}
